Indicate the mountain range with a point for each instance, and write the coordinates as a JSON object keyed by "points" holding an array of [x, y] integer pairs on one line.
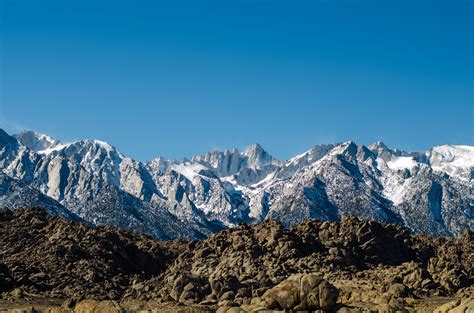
{"points": [[90, 180]]}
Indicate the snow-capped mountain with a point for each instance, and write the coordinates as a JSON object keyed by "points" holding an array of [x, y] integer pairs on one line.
{"points": [[38, 142], [456, 161], [95, 181], [426, 191]]}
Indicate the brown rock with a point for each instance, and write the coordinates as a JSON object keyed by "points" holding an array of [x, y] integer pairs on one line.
{"points": [[302, 292], [327, 296], [92, 306], [398, 290], [229, 295]]}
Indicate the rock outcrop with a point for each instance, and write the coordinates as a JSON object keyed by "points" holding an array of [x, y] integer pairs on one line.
{"points": [[301, 292], [52, 257], [311, 266]]}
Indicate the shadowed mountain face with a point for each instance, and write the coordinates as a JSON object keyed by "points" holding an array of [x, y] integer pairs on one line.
{"points": [[426, 192]]}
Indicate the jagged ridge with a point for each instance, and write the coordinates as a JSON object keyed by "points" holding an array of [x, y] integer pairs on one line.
{"points": [[427, 192]]}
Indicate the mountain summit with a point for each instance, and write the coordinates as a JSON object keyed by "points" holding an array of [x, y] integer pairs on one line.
{"points": [[36, 141]]}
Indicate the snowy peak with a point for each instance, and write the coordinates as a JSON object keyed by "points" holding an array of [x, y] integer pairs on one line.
{"points": [[462, 155], [254, 149], [159, 165], [457, 161], [383, 152], [378, 146], [103, 144], [36, 141], [257, 157], [45, 145], [348, 149], [87, 148], [312, 155], [231, 162]]}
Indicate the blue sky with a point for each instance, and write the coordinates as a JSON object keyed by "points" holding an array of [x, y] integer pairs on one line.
{"points": [[178, 78]]}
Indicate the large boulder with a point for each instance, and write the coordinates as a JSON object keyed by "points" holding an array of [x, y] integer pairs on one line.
{"points": [[302, 292], [457, 306], [187, 289], [92, 306]]}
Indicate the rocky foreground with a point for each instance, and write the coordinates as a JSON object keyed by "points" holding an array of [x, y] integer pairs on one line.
{"points": [[55, 265]]}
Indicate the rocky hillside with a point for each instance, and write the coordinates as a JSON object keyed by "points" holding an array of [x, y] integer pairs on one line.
{"points": [[54, 257], [427, 192], [311, 265]]}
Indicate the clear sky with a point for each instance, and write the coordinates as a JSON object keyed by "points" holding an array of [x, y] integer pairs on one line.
{"points": [[178, 78]]}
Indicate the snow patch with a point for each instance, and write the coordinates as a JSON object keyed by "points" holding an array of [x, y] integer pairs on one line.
{"points": [[103, 144], [265, 180], [53, 149], [395, 189], [51, 141], [401, 163], [295, 159], [190, 171]]}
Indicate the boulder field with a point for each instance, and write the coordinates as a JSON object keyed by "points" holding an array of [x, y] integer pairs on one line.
{"points": [[54, 265]]}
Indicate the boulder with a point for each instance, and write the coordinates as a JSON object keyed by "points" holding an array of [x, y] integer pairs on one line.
{"points": [[93, 306], [187, 289], [398, 290], [457, 306], [302, 292]]}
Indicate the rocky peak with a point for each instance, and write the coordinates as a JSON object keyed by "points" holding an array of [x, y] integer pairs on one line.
{"points": [[92, 149], [36, 141], [224, 162], [382, 151], [364, 153], [9, 147], [378, 146], [159, 165], [254, 149], [257, 156], [348, 149]]}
